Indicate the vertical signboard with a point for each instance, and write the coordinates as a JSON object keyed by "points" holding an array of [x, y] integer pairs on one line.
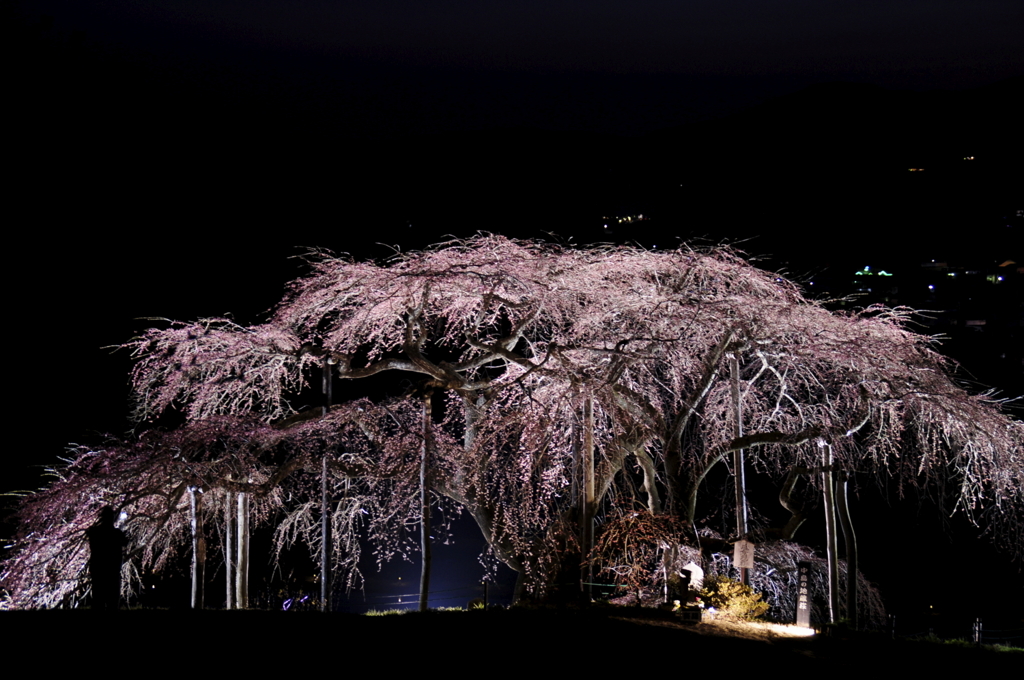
{"points": [[803, 594]]}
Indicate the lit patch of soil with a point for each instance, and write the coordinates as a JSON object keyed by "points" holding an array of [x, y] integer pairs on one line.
{"points": [[749, 630], [722, 627]]}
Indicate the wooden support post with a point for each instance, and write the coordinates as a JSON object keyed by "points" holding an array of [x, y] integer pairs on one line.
{"points": [[850, 538], [230, 524], [198, 546], [589, 494], [832, 544], [425, 503], [242, 568], [326, 541], [740, 475]]}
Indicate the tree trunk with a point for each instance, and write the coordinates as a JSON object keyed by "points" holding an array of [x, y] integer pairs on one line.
{"points": [[198, 546], [472, 408], [242, 568], [484, 519], [850, 538], [425, 503]]}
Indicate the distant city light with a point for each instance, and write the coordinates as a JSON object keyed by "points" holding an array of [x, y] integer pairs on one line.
{"points": [[867, 272], [626, 219]]}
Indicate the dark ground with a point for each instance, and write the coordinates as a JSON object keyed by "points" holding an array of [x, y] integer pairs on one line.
{"points": [[516, 641]]}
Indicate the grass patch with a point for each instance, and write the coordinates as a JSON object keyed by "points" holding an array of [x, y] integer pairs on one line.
{"points": [[398, 612]]}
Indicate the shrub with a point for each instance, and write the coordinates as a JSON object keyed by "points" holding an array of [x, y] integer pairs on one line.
{"points": [[733, 598]]}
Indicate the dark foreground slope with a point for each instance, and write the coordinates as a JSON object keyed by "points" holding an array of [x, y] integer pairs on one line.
{"points": [[509, 643]]}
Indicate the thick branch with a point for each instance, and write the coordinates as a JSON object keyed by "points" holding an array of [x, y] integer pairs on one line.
{"points": [[650, 482], [797, 516]]}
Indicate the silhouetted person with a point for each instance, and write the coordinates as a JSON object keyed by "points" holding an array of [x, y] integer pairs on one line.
{"points": [[106, 542]]}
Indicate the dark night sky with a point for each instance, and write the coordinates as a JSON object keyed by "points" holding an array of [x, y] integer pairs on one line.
{"points": [[173, 154], [466, 63], [922, 43]]}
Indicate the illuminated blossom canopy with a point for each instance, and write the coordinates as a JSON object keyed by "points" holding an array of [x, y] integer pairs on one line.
{"points": [[530, 351]]}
